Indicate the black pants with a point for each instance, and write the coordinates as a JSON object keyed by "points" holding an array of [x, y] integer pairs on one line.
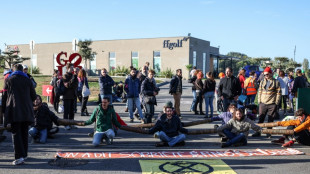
{"points": [[56, 102], [198, 100], [20, 139], [149, 112], [69, 109], [283, 100], [303, 137], [269, 110], [83, 101]]}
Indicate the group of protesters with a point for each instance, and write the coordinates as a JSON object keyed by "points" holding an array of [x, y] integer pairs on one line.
{"points": [[23, 108]]}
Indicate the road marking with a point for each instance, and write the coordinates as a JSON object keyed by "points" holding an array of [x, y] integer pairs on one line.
{"points": [[185, 166]]}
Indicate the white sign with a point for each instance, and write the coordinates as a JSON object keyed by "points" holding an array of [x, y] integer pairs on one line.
{"points": [[48, 90]]}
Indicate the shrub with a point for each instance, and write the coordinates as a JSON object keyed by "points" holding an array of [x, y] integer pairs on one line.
{"points": [[167, 73], [119, 71], [35, 70]]}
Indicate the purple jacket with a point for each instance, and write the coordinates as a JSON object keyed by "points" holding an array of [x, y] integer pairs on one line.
{"points": [[225, 117]]}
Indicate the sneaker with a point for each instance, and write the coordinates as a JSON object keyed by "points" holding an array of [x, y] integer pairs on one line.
{"points": [[224, 139], [256, 134], [83, 114], [182, 143], [223, 145], [108, 141], [137, 116], [279, 141], [161, 144], [156, 135], [216, 126], [67, 127], [131, 120], [91, 134], [288, 144], [126, 110], [18, 161], [142, 121], [268, 136]]}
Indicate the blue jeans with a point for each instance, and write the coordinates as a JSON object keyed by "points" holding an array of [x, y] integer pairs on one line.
{"points": [[194, 100], [250, 99], [227, 102], [171, 141], [135, 101], [99, 135], [109, 96], [34, 132], [209, 96], [233, 138]]}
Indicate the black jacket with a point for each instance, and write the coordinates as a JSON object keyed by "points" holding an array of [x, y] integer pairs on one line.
{"points": [[44, 118], [105, 83], [198, 85], [192, 81], [171, 127], [148, 88], [299, 82], [209, 85], [70, 83], [17, 99], [229, 87], [174, 84]]}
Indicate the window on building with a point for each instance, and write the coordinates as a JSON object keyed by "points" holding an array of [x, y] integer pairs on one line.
{"points": [[55, 62], [112, 57], [135, 59], [204, 59], [92, 65], [194, 58], [157, 62]]}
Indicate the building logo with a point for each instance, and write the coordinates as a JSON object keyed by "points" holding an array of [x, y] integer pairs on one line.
{"points": [[171, 45]]}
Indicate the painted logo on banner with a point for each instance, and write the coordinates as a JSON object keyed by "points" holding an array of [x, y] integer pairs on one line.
{"points": [[179, 154], [62, 62]]}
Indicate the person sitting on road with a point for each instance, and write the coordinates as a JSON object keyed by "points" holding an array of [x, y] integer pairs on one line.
{"points": [[237, 129], [169, 126], [43, 122], [105, 118], [301, 128]]}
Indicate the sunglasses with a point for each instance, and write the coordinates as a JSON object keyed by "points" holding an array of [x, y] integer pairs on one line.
{"points": [[266, 74]]}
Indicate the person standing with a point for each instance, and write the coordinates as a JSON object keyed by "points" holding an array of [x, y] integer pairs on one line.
{"points": [[149, 91], [70, 83], [290, 93], [250, 88], [299, 82], [25, 70], [193, 71], [269, 95], [241, 77], [209, 89], [284, 90], [106, 83], [17, 105], [132, 88], [145, 69], [199, 92], [175, 89], [56, 95], [229, 88], [192, 81], [82, 79]]}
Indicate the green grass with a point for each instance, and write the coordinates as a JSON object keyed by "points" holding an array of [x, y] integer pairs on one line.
{"points": [[93, 85]]}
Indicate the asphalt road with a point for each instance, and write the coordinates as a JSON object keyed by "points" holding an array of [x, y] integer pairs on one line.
{"points": [[76, 140]]}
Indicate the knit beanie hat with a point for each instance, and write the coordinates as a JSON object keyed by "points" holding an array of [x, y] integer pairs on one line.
{"points": [[168, 104], [268, 69]]}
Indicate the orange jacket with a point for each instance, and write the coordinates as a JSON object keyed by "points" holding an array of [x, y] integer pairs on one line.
{"points": [[297, 123]]}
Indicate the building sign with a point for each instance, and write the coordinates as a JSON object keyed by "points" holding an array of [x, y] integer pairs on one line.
{"points": [[65, 62], [171, 45], [47, 90]]}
